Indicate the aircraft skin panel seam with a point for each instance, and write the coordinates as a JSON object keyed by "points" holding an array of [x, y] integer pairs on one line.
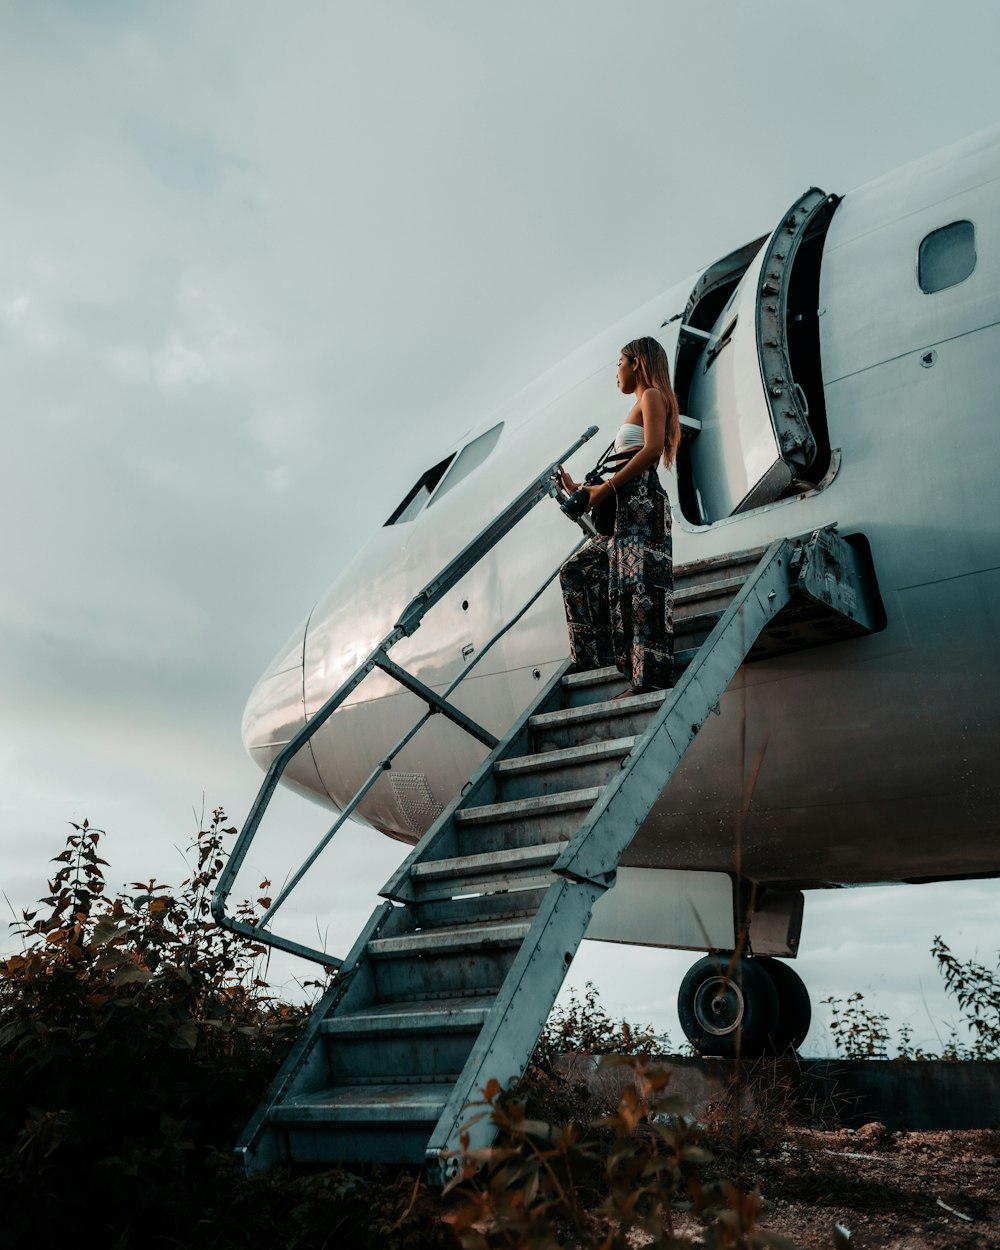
{"points": [[956, 577], [923, 208], [837, 804], [915, 351]]}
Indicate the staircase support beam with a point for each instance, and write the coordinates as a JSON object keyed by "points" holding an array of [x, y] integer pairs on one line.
{"points": [[434, 701], [822, 566], [504, 1046]]}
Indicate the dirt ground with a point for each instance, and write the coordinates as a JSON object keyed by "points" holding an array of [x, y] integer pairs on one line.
{"points": [[885, 1191]]}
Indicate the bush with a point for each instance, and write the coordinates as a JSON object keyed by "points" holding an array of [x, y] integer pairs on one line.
{"points": [[136, 1039], [977, 991], [859, 1033], [584, 1027], [555, 1086], [599, 1185]]}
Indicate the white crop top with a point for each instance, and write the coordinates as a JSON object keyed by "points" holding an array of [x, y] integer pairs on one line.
{"points": [[629, 436]]}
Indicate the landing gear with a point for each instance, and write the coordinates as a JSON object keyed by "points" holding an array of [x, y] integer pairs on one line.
{"points": [[747, 1007], [794, 1007], [727, 1006]]}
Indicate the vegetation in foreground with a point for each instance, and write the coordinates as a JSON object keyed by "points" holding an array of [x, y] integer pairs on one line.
{"points": [[136, 1039]]}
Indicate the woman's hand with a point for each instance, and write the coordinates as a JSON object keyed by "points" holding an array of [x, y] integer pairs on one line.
{"points": [[566, 482], [597, 494]]}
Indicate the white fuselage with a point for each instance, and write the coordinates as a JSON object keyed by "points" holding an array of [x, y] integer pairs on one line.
{"points": [[865, 761]]}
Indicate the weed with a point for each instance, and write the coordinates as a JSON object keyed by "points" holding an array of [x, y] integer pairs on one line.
{"points": [[558, 1085], [584, 1027], [136, 1039], [859, 1033], [977, 991], [596, 1186]]}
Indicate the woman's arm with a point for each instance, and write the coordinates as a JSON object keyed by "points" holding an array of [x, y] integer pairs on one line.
{"points": [[654, 428]]}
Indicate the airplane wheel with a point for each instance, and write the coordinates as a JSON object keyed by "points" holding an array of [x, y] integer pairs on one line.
{"points": [[794, 1006], [724, 1015]]}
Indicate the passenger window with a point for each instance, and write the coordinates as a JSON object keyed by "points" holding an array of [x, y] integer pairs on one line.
{"points": [[470, 457], [418, 496], [947, 256]]}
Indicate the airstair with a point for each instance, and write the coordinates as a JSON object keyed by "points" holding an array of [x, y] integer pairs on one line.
{"points": [[451, 980]]}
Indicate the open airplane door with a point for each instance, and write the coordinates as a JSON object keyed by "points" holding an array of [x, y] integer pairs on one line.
{"points": [[756, 375]]}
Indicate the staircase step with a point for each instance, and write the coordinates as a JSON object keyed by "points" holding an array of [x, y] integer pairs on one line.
{"points": [[444, 1077], [508, 904], [691, 630], [427, 1040], [451, 939], [606, 710], [460, 971], [388, 1103], [596, 722], [523, 822], [387, 1123], [592, 685], [462, 866], [596, 685], [733, 563], [517, 868], [567, 769], [552, 804], [431, 1015], [447, 962], [708, 596]]}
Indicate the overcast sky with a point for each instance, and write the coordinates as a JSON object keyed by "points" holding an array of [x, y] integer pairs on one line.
{"points": [[259, 261]]}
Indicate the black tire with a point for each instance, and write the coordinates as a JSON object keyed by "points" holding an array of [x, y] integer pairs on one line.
{"points": [[794, 1005], [727, 1007]]}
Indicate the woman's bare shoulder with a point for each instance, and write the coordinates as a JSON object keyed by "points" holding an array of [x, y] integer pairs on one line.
{"points": [[653, 401]]}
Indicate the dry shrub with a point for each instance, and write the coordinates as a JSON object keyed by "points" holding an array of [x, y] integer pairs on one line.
{"points": [[600, 1184], [136, 1039]]}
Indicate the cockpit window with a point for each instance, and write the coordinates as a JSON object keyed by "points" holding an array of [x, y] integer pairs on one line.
{"points": [[417, 497], [947, 256], [470, 457]]}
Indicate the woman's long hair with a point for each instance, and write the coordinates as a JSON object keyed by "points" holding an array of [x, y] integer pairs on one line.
{"points": [[654, 370]]}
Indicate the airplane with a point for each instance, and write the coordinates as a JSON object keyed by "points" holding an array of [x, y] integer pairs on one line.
{"points": [[837, 374]]}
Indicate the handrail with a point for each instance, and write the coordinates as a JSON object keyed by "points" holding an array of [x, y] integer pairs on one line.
{"points": [[409, 621]]}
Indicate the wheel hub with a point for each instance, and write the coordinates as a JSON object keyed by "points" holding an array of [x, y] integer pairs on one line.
{"points": [[718, 1006]]}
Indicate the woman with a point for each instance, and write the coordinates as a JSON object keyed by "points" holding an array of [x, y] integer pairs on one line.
{"points": [[619, 591]]}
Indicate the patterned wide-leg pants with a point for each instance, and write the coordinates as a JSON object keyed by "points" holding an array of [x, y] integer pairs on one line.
{"points": [[619, 591]]}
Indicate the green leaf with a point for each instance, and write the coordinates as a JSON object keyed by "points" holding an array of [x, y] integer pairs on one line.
{"points": [[131, 973], [111, 958], [104, 931], [185, 1036], [11, 1032]]}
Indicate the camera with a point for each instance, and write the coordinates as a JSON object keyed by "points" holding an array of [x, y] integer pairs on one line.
{"points": [[575, 505]]}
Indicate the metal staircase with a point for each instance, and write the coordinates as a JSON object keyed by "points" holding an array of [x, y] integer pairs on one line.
{"points": [[454, 975]]}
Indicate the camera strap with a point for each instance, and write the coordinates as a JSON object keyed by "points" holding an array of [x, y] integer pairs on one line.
{"points": [[610, 462]]}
